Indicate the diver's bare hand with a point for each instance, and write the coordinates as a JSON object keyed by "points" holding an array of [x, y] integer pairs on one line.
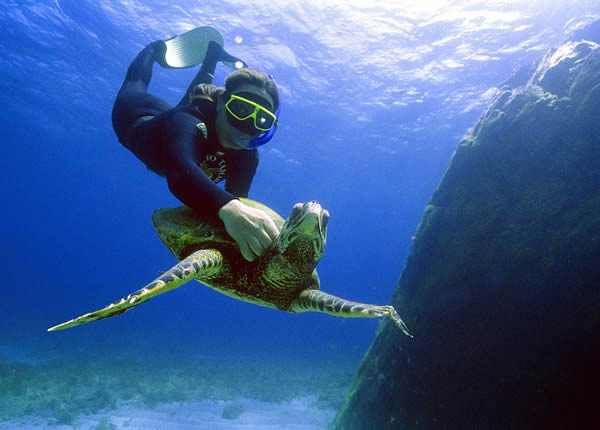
{"points": [[251, 228]]}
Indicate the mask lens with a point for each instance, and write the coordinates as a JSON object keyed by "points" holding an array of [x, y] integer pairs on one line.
{"points": [[240, 108], [264, 121]]}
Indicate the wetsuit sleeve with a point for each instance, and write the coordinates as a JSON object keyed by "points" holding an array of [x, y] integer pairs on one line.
{"points": [[187, 181], [240, 172]]}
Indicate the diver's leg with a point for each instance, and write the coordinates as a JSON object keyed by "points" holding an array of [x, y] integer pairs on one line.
{"points": [[139, 73], [133, 100], [207, 71]]}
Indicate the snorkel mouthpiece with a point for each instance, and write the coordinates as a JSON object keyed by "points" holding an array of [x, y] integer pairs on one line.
{"points": [[266, 136]]}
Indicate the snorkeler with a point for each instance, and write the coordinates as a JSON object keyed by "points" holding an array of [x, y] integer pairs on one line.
{"points": [[210, 136]]}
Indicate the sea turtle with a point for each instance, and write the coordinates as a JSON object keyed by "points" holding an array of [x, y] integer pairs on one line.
{"points": [[284, 277]]}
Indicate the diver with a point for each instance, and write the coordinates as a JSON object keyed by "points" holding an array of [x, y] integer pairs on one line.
{"points": [[211, 135]]}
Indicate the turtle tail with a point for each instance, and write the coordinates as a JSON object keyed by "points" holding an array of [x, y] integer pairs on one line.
{"points": [[319, 301]]}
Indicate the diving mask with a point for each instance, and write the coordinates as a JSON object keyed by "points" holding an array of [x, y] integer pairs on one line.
{"points": [[249, 116]]}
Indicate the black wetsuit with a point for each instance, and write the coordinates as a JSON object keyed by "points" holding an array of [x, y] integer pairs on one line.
{"points": [[180, 143]]}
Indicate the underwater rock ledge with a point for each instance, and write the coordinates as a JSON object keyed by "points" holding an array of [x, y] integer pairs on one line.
{"points": [[502, 284]]}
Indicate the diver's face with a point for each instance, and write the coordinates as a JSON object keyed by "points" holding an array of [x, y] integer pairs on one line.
{"points": [[231, 137]]}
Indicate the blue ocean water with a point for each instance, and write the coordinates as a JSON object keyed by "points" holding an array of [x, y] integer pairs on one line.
{"points": [[375, 97]]}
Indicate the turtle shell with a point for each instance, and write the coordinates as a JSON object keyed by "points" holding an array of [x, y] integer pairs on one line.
{"points": [[184, 232]]}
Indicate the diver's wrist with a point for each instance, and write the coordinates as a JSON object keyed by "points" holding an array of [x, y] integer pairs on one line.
{"points": [[229, 208]]}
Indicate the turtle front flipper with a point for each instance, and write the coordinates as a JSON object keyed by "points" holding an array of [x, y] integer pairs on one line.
{"points": [[206, 262], [319, 301]]}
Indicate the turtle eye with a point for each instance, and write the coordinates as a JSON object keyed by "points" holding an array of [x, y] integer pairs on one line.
{"points": [[296, 210]]}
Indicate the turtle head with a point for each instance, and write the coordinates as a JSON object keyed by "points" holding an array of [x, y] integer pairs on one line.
{"points": [[304, 234]]}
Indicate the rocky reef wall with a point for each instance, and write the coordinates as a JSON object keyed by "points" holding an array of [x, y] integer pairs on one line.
{"points": [[502, 285]]}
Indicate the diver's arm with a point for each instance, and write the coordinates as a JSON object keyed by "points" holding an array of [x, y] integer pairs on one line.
{"points": [[241, 168], [186, 180], [251, 228], [194, 189]]}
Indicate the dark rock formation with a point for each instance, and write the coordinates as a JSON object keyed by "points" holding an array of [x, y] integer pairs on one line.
{"points": [[502, 285]]}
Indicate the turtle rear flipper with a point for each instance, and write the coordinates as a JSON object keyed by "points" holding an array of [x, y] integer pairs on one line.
{"points": [[319, 301], [206, 261]]}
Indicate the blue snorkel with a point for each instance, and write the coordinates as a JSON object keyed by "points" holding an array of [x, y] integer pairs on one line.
{"points": [[266, 136]]}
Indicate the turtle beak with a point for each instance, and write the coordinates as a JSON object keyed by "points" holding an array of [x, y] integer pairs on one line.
{"points": [[314, 224], [306, 224], [314, 220]]}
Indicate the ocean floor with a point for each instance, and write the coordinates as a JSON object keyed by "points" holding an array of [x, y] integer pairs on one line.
{"points": [[170, 392], [241, 413]]}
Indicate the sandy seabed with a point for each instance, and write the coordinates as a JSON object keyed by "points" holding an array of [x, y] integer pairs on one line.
{"points": [[242, 413], [169, 392]]}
